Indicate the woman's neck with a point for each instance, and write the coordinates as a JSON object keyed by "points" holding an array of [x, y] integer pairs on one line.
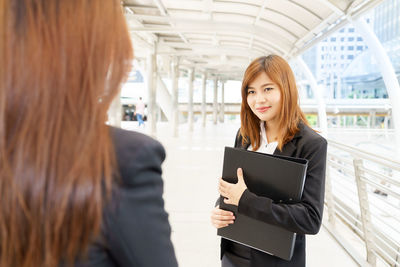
{"points": [[271, 131]]}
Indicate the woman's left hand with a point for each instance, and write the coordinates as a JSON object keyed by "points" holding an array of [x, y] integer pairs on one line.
{"points": [[232, 192]]}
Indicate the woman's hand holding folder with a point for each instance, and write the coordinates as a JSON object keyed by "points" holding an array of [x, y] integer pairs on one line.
{"points": [[221, 218], [232, 192]]}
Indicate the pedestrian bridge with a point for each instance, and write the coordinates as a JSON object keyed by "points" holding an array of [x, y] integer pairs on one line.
{"points": [[215, 40]]}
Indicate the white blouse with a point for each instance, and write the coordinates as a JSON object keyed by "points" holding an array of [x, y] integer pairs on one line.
{"points": [[265, 147]]}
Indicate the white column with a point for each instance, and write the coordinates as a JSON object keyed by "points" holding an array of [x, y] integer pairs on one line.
{"points": [[222, 110], [386, 124], [388, 74], [175, 107], [190, 100], [215, 103], [372, 114], [318, 95], [151, 87], [203, 97]]}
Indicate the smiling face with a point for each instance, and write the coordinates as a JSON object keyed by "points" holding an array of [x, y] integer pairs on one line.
{"points": [[264, 98]]}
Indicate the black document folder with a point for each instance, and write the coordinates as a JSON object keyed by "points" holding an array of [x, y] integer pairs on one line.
{"points": [[277, 177]]}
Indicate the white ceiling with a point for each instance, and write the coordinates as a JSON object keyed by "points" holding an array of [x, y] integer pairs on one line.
{"points": [[223, 36]]}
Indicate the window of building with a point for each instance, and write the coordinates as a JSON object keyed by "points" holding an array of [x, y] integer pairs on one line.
{"points": [[359, 39], [342, 48], [341, 30], [350, 48], [351, 39], [351, 29], [322, 57], [350, 57], [342, 57], [342, 39], [359, 48], [333, 39]]}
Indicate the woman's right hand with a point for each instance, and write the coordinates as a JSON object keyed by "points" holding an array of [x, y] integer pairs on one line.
{"points": [[221, 218]]}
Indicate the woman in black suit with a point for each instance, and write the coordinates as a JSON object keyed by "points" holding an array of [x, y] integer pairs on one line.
{"points": [[272, 122], [74, 191]]}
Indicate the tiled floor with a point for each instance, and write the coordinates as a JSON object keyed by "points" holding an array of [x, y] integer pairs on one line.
{"points": [[191, 171]]}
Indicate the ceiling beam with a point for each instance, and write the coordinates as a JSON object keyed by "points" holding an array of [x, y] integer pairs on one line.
{"points": [[164, 12], [202, 26], [257, 19], [129, 15]]}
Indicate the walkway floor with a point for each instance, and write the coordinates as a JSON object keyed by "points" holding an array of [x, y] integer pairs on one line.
{"points": [[191, 171]]}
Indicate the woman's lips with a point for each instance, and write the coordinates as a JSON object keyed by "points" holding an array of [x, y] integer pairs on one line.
{"points": [[263, 109]]}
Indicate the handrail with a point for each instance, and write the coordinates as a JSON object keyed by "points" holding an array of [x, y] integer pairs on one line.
{"points": [[367, 173], [395, 164]]}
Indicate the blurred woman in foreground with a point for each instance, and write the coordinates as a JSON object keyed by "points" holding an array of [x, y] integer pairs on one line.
{"points": [[74, 192]]}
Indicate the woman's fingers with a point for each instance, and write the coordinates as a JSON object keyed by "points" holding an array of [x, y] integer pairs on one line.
{"points": [[221, 218], [220, 224], [223, 192], [224, 188], [218, 211]]}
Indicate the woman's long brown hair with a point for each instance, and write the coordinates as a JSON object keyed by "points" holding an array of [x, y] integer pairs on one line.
{"points": [[279, 71], [61, 64]]}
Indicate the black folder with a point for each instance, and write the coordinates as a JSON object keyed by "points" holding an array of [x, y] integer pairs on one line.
{"points": [[277, 177]]}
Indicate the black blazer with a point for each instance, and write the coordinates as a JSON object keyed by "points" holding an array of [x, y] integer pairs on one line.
{"points": [[302, 218], [135, 230]]}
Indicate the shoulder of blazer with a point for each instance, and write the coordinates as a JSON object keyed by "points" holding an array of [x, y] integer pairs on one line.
{"points": [[131, 142], [310, 141], [133, 150], [305, 138], [309, 135]]}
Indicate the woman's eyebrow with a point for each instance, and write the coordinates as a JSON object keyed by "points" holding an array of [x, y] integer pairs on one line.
{"points": [[266, 84]]}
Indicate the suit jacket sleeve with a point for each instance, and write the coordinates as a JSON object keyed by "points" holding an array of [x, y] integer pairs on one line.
{"points": [[304, 217], [138, 228]]}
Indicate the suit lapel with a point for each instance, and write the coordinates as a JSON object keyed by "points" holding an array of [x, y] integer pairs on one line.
{"points": [[287, 150]]}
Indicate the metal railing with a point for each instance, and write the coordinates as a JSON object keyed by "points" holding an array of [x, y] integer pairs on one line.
{"points": [[363, 193]]}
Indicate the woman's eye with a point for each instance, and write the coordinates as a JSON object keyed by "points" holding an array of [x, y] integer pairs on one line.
{"points": [[268, 89], [251, 92]]}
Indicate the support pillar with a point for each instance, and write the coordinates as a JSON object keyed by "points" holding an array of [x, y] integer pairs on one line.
{"points": [[190, 100], [215, 103], [203, 98], [151, 88], [222, 110], [372, 114], [175, 107], [317, 93]]}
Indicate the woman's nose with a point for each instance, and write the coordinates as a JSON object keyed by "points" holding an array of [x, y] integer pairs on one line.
{"points": [[260, 98]]}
